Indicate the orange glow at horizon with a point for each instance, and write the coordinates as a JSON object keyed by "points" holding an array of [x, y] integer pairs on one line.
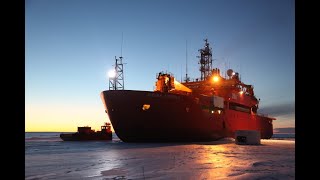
{"points": [[63, 118]]}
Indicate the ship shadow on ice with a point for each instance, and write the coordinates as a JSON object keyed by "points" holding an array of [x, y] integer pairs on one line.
{"points": [[132, 145], [218, 142]]}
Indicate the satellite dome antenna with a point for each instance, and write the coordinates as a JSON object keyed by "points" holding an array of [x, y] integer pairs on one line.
{"points": [[229, 72]]}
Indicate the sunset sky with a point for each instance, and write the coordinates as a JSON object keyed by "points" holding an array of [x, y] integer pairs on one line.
{"points": [[70, 46]]}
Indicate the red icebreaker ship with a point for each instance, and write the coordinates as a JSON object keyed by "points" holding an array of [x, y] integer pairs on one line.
{"points": [[206, 109]]}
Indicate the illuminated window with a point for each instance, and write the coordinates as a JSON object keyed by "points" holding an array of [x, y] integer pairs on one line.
{"points": [[145, 107]]}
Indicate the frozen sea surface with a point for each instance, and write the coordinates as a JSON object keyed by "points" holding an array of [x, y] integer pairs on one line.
{"points": [[48, 157]]}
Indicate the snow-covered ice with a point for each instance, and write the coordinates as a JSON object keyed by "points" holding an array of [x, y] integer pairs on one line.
{"points": [[223, 159]]}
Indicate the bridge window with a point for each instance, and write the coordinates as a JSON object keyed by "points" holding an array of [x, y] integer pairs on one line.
{"points": [[239, 107]]}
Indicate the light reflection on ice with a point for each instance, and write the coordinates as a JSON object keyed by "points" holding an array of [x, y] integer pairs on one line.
{"points": [[116, 160]]}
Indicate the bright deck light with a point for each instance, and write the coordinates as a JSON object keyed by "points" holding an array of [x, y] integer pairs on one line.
{"points": [[215, 78]]}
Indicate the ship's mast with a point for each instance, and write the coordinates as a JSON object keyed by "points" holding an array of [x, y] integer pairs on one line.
{"points": [[117, 82], [205, 61]]}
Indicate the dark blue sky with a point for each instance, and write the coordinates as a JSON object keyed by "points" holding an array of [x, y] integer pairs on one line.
{"points": [[71, 45]]}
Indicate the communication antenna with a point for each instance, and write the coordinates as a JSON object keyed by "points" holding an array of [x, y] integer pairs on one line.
{"points": [[240, 72], [225, 69], [121, 43], [116, 79], [187, 78], [181, 73]]}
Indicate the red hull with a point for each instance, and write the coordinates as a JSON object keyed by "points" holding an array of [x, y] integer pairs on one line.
{"points": [[173, 117]]}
